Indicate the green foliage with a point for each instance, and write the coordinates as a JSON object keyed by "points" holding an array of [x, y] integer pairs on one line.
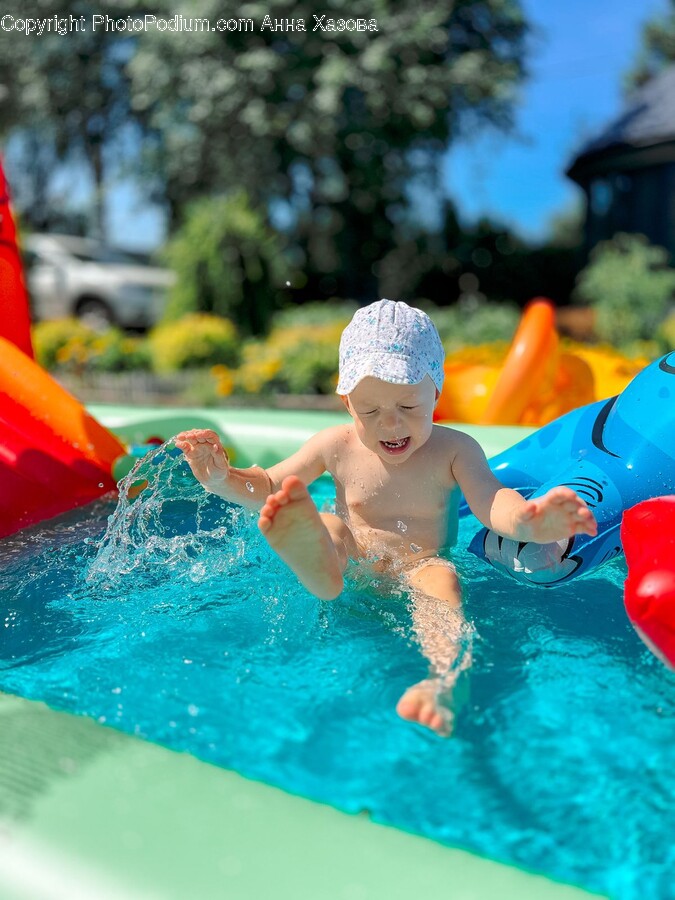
{"points": [[115, 351], [70, 346], [50, 338], [310, 368], [328, 128], [332, 126], [657, 48], [566, 228], [666, 333], [195, 340], [471, 321], [336, 312], [227, 262], [294, 358], [486, 262], [67, 94], [630, 287]]}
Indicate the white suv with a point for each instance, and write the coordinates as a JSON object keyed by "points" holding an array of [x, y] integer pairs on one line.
{"points": [[72, 276]]}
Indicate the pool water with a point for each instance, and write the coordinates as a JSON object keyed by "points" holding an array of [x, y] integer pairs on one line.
{"points": [[175, 622]]}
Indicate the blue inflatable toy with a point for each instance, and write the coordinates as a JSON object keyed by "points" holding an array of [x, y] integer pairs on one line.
{"points": [[613, 453]]}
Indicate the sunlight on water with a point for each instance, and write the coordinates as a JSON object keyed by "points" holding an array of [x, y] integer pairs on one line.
{"points": [[167, 616]]}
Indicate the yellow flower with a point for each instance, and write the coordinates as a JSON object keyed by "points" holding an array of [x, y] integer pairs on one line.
{"points": [[224, 380]]}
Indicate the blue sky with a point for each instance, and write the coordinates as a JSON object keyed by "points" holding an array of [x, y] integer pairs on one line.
{"points": [[579, 54], [580, 51]]}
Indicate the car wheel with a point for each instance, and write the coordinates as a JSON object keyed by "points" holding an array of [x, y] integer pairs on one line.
{"points": [[95, 313]]}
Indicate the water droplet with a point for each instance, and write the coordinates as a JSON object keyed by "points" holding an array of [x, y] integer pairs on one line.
{"points": [[415, 548], [401, 526], [288, 284], [249, 487]]}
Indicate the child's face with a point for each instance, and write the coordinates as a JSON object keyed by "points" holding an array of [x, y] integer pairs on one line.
{"points": [[392, 420]]}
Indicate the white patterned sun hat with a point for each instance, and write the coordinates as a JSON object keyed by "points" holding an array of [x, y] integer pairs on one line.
{"points": [[391, 341]]}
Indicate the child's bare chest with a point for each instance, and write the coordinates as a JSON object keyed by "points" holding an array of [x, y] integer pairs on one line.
{"points": [[384, 497]]}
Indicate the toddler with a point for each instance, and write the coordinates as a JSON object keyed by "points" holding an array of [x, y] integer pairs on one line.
{"points": [[395, 473]]}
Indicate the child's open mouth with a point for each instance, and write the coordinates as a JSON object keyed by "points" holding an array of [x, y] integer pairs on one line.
{"points": [[394, 447]]}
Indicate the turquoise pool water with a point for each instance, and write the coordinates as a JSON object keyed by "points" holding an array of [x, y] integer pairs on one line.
{"points": [[179, 625]]}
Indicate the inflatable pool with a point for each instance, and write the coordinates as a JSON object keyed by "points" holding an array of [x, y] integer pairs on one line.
{"points": [[91, 811], [91, 806]]}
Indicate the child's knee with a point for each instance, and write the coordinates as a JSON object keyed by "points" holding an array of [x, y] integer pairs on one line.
{"points": [[438, 581]]}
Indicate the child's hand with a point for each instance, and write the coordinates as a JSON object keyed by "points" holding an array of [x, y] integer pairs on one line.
{"points": [[205, 456], [557, 515]]}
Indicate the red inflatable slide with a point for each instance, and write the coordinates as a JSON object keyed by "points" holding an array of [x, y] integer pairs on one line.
{"points": [[53, 454], [15, 319]]}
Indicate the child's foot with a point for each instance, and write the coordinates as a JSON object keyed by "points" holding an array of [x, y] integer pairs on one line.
{"points": [[293, 528], [420, 704], [434, 704]]}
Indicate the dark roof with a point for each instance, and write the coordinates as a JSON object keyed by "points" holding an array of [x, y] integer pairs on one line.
{"points": [[648, 118]]}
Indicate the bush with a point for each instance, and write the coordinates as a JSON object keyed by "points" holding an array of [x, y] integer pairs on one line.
{"points": [[300, 355], [309, 358], [69, 345], [667, 333], [471, 322], [193, 341], [302, 360], [50, 338], [630, 287], [322, 312], [227, 262]]}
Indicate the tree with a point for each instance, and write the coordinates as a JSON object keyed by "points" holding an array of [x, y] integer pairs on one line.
{"points": [[68, 92], [657, 49], [326, 127], [227, 262]]}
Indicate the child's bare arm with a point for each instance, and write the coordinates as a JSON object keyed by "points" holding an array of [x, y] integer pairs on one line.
{"points": [[211, 467], [250, 487], [557, 515]]}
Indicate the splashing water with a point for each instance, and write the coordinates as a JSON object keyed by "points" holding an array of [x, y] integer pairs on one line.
{"points": [[170, 617], [165, 520]]}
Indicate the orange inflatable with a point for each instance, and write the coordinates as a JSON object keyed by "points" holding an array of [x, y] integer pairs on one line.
{"points": [[15, 320], [533, 381], [29, 386], [53, 454], [531, 361]]}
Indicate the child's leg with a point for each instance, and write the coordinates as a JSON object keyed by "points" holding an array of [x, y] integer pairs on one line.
{"points": [[440, 626], [316, 546]]}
